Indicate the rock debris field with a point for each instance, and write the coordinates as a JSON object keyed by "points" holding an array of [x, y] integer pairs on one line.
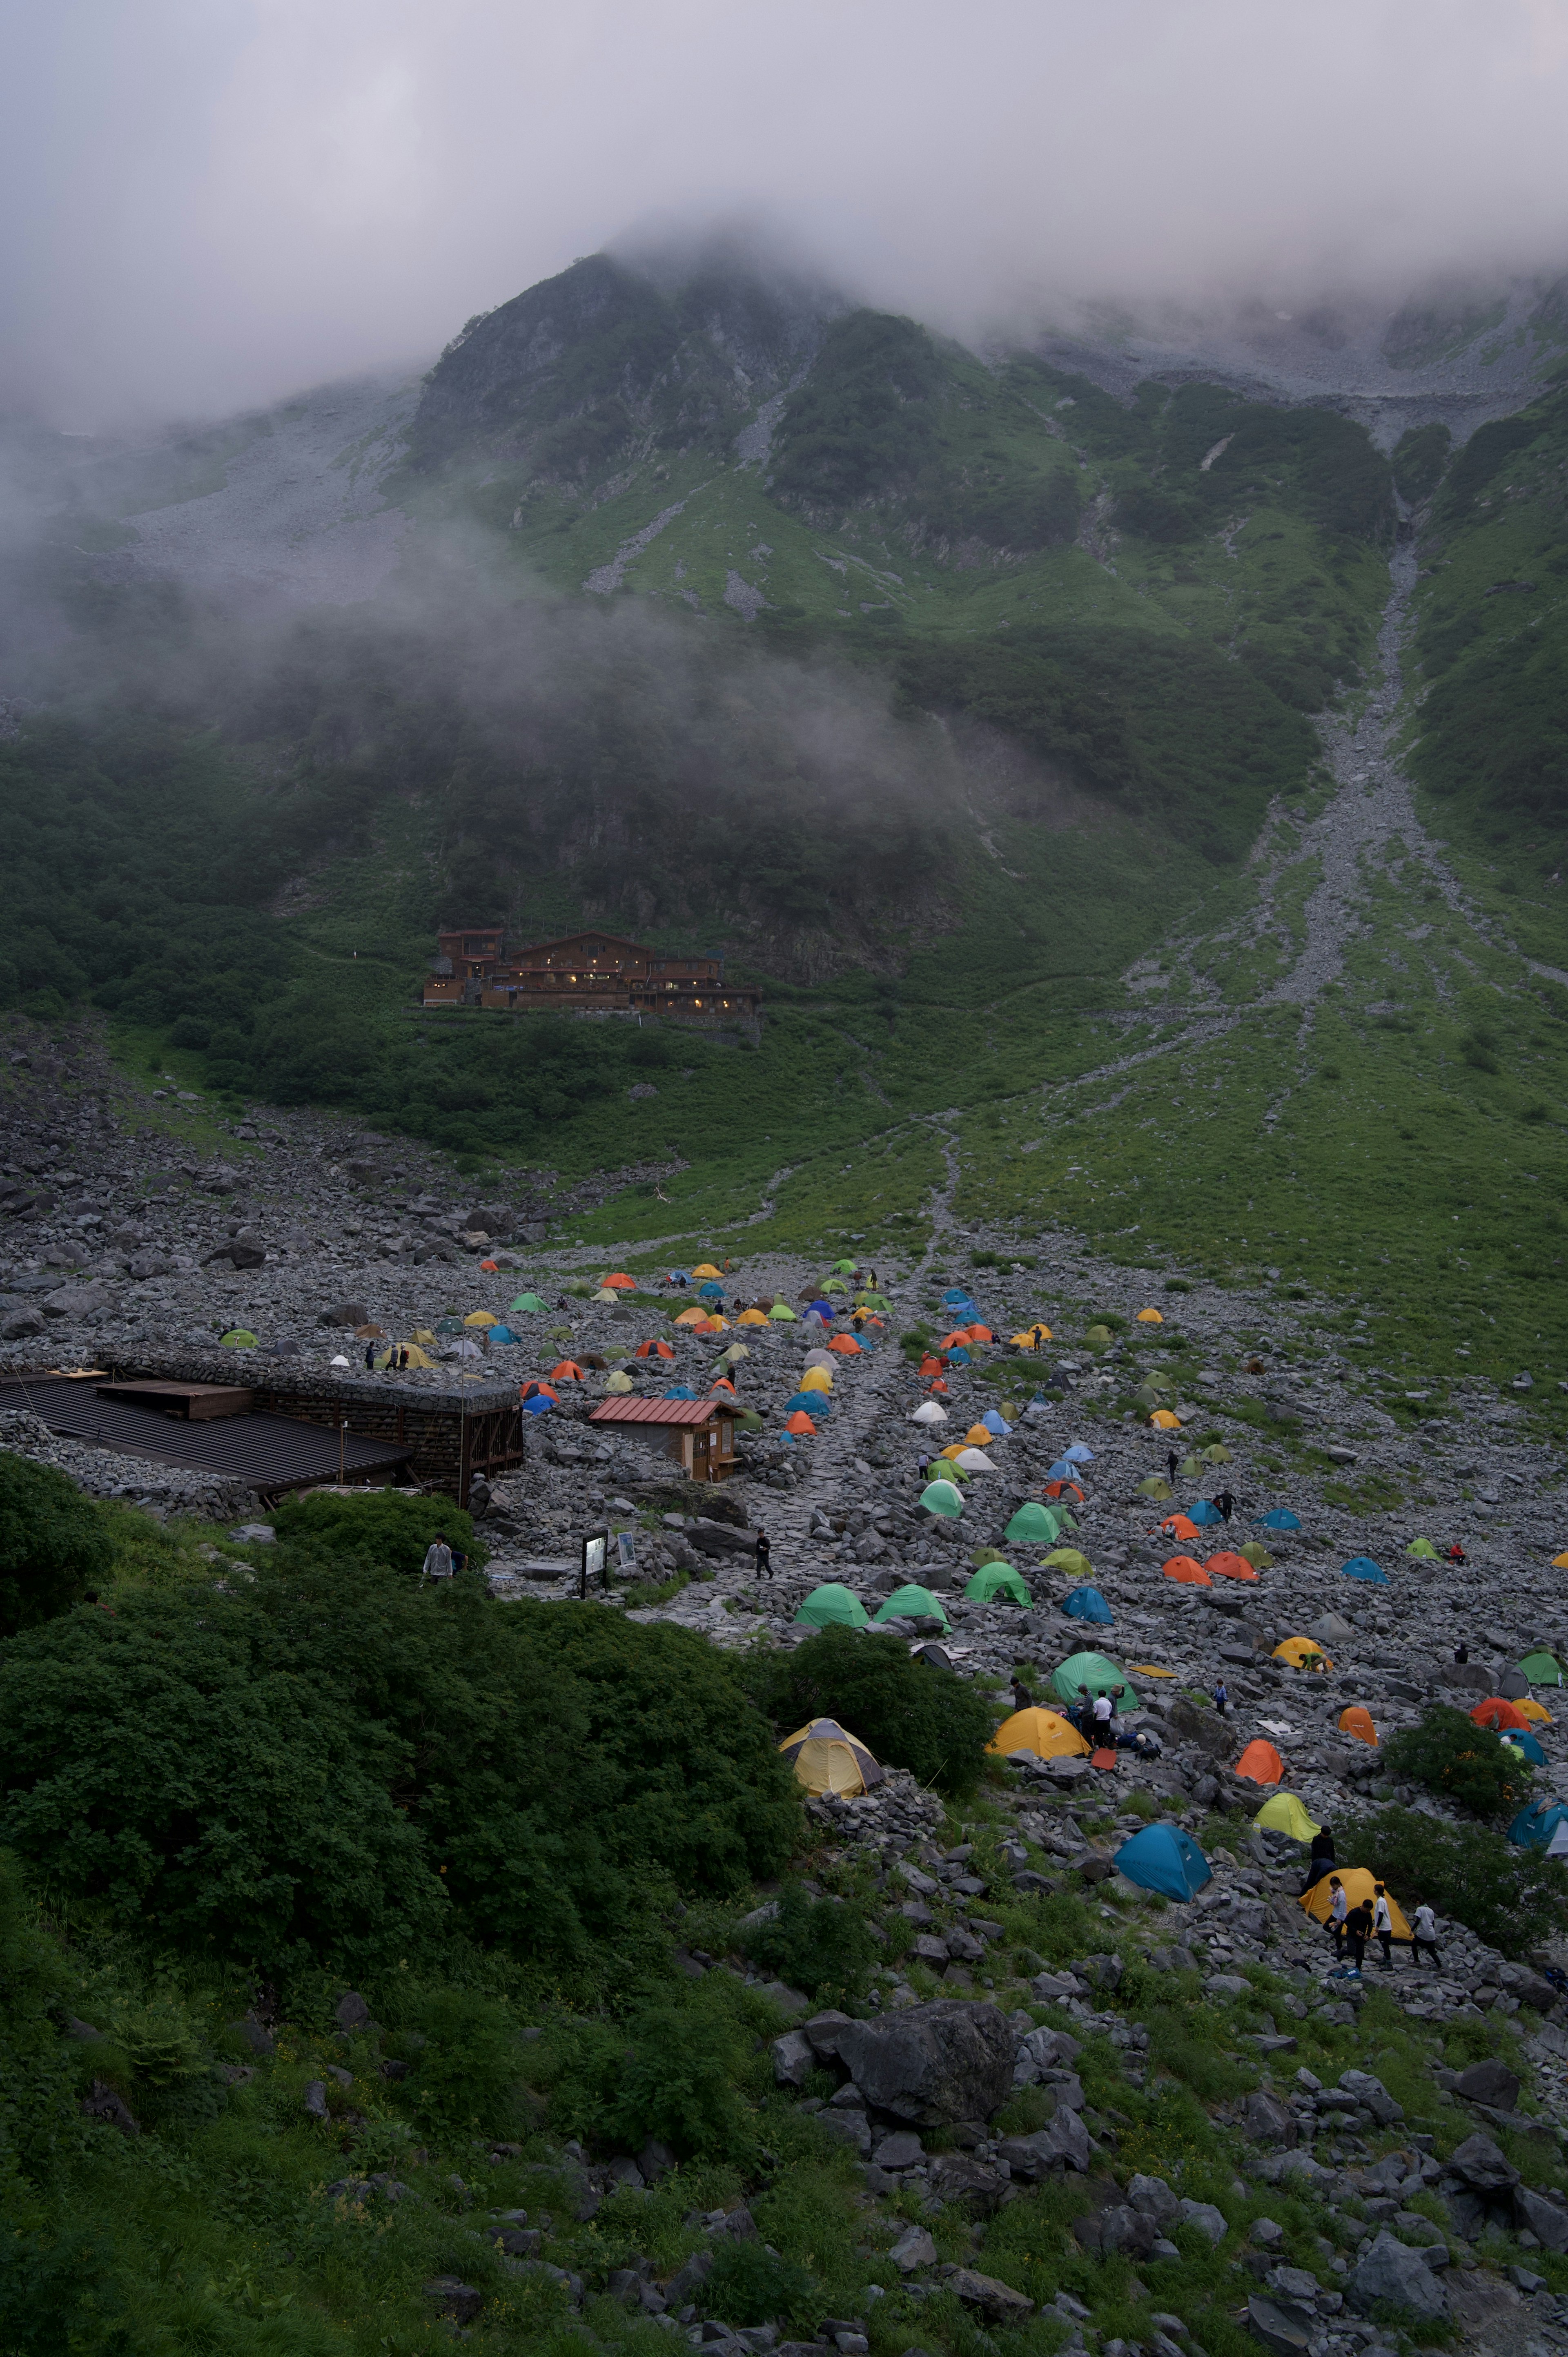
{"points": [[118, 1245]]}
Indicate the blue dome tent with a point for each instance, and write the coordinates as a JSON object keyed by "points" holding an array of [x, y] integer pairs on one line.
{"points": [[1361, 1566], [1279, 1518], [1087, 1604], [1163, 1858]]}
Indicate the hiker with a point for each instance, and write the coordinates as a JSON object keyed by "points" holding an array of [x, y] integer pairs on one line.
{"points": [[1022, 1698], [1226, 1503], [1339, 1909], [1321, 1861], [1383, 1925], [437, 1559], [1104, 1711], [1462, 1650], [370, 1357], [1173, 1466], [1456, 1553], [1221, 1697], [1357, 1931], [1424, 1934], [764, 1556]]}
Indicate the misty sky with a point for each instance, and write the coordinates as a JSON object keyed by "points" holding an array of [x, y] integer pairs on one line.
{"points": [[209, 203]]}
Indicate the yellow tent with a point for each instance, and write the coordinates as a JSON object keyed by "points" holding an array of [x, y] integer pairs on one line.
{"points": [[1071, 1559], [481, 1318], [1302, 1654], [978, 1438], [1528, 1708], [706, 1269], [827, 1758], [606, 1293], [1284, 1813], [954, 1449], [1027, 1341], [1358, 1885], [618, 1383], [816, 1379], [693, 1316], [1164, 1421], [1560, 1563], [418, 1358], [753, 1317], [1150, 1318], [1046, 1733], [422, 1335]]}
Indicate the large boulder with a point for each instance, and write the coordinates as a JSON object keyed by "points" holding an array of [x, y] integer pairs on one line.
{"points": [[996, 2301], [1478, 2165], [1543, 2219], [1063, 2143], [1398, 2278], [1489, 2081], [932, 2064], [1268, 2121]]}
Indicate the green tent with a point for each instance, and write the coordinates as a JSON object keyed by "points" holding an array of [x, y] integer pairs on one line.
{"points": [[1542, 1669], [527, 1305], [1071, 1559], [749, 1420], [835, 1285], [912, 1603], [1097, 1334], [1257, 1554], [872, 1301], [1153, 1487], [994, 1579], [951, 1470], [1090, 1670], [843, 1268], [1192, 1469], [240, 1338], [1218, 1453], [1424, 1548], [1033, 1525], [832, 1606], [982, 1555], [1064, 1520], [782, 1311], [941, 1498]]}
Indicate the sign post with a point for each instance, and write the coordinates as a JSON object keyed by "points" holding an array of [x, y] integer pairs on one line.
{"points": [[595, 1562]]}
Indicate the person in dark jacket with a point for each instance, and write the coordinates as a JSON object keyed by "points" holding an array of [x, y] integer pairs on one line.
{"points": [[1022, 1698], [764, 1556], [1357, 1932], [1322, 1860], [1226, 1503]]}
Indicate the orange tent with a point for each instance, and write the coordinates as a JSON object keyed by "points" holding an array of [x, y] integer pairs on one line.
{"points": [[930, 1366], [1495, 1713], [979, 1334], [654, 1350], [1230, 1566], [568, 1372], [1261, 1764], [845, 1345], [1064, 1489], [939, 1385], [490, 1266], [1191, 1573], [799, 1423], [620, 1281], [957, 1340], [693, 1316], [722, 1383], [532, 1391], [1177, 1527], [1357, 1721]]}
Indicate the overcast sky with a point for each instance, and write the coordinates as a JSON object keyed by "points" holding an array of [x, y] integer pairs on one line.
{"points": [[209, 203]]}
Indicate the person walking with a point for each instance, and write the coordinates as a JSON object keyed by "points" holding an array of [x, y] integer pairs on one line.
{"points": [[1022, 1698], [1222, 1698], [1424, 1934], [437, 1559], [1357, 1931], [1339, 1909], [1383, 1925], [764, 1556], [1173, 1466], [1104, 1711], [1226, 1503]]}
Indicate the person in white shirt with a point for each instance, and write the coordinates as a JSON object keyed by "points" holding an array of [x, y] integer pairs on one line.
{"points": [[1339, 1907], [1424, 1933], [437, 1559], [1104, 1713], [1383, 1925]]}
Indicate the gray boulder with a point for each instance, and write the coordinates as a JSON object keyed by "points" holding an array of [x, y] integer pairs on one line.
{"points": [[1265, 2120], [21, 1325], [1064, 2142], [998, 2302], [1479, 2165], [913, 2249], [793, 2059], [1394, 2274], [1489, 2082], [1373, 2094], [931, 2064], [848, 2127], [1154, 2198], [1207, 2219], [1543, 2219], [1281, 2325]]}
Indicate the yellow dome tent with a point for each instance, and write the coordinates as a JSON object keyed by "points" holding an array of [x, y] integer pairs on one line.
{"points": [[693, 1316], [1046, 1733], [1150, 1318], [1358, 1885], [1302, 1654], [816, 1379], [752, 1318], [1164, 1421], [618, 1383], [1284, 1813], [481, 1318], [827, 1758], [706, 1269]]}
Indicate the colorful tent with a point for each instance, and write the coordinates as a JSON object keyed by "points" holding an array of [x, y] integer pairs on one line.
{"points": [[1218, 1453], [1536, 1711], [1361, 1566], [1150, 1318], [847, 1346], [619, 1281], [1560, 1563], [1358, 1885], [1257, 1554], [1542, 1669], [798, 1425], [974, 1460], [1302, 1654], [606, 1292], [1542, 1824], [1078, 1452], [816, 1379], [1163, 1858], [995, 1423], [928, 1412], [1044, 1732], [782, 1312], [1090, 1669], [1205, 1515], [911, 1603], [567, 1371], [1163, 1420], [1071, 1559], [1031, 1339], [1282, 1812], [532, 1391], [994, 1579], [1230, 1566], [527, 1305], [1278, 1518], [618, 1383], [834, 1605], [706, 1269], [1087, 1604], [1178, 1526], [752, 1318], [481, 1318], [1190, 1574], [1357, 1721], [654, 1350], [1260, 1764], [1150, 1486], [1063, 1489], [1032, 1526], [1497, 1712], [1424, 1548], [941, 1498], [827, 1758], [539, 1404], [691, 1317], [238, 1338]]}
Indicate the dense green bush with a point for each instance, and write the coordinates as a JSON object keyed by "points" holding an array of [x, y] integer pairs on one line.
{"points": [[385, 1526], [1511, 1898], [820, 1946], [338, 1765], [911, 1716], [750, 2285], [53, 1544], [1450, 1755], [669, 2073]]}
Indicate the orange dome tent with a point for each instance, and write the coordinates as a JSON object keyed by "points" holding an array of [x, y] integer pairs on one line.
{"points": [[1191, 1573], [567, 1371], [800, 1424], [1261, 1764], [930, 1366], [1497, 1712], [693, 1316], [1178, 1526], [1064, 1489], [654, 1350], [845, 1345], [957, 1340], [979, 1334], [1163, 1420], [620, 1281], [1357, 1721], [1230, 1566]]}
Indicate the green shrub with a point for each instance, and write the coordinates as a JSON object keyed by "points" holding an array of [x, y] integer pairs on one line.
{"points": [[926, 1720], [53, 1544], [466, 2062], [822, 1946], [670, 2073], [751, 2285], [386, 1526], [1511, 1898], [1449, 1754]]}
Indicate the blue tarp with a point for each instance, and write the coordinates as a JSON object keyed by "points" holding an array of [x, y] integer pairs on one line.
{"points": [[1361, 1566], [1280, 1519], [539, 1404], [1163, 1858], [1087, 1604]]}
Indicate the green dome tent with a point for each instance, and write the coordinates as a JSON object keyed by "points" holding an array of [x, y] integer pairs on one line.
{"points": [[1033, 1525], [941, 1498], [1090, 1670], [832, 1606], [239, 1338], [1424, 1548], [1153, 1487], [911, 1603], [527, 1305], [1542, 1669], [993, 1580]]}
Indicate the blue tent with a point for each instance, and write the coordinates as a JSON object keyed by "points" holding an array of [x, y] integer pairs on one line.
{"points": [[1361, 1566], [539, 1404], [813, 1402], [1537, 1823], [1163, 1858], [1203, 1513], [957, 1298], [502, 1334], [995, 1421], [1526, 1743], [958, 1358], [822, 1309], [1062, 1471], [680, 1390], [1087, 1604], [1079, 1454], [709, 1292], [1280, 1519]]}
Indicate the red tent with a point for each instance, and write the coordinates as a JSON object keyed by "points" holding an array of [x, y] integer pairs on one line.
{"points": [[799, 1423], [568, 1372], [1497, 1712], [654, 1350]]}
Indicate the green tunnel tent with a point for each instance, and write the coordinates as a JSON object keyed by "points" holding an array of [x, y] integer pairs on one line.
{"points": [[832, 1606], [1091, 1671], [911, 1603]]}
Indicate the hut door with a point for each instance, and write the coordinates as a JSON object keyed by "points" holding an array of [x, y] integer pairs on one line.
{"points": [[700, 1442]]}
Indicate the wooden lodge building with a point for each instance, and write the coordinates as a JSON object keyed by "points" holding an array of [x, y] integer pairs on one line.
{"points": [[584, 974]]}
